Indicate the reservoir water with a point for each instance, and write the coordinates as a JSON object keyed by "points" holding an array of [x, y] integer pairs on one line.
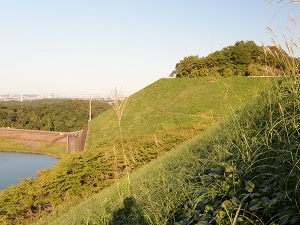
{"points": [[14, 166]]}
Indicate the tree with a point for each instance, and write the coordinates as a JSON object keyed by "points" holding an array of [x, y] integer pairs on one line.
{"points": [[244, 58], [185, 67]]}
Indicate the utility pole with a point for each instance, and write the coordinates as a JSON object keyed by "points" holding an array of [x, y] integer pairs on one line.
{"points": [[90, 117]]}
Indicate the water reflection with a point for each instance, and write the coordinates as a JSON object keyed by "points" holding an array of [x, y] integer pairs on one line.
{"points": [[14, 166]]}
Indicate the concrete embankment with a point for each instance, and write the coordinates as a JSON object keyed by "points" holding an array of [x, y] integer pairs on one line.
{"points": [[73, 141]]}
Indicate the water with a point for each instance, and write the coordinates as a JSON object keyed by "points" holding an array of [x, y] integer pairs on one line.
{"points": [[14, 166]]}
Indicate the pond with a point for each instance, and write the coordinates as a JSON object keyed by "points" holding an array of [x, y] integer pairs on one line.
{"points": [[14, 165]]}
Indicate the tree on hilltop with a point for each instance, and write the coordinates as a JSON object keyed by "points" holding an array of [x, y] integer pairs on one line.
{"points": [[244, 58]]}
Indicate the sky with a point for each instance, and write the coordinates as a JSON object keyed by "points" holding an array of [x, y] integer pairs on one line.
{"points": [[94, 46]]}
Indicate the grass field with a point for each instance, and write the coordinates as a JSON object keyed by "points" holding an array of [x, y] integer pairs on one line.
{"points": [[168, 103], [156, 120], [244, 170]]}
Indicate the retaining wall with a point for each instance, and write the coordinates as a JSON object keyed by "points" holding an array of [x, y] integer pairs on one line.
{"points": [[74, 141]]}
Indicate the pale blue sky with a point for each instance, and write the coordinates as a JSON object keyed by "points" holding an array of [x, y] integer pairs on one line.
{"points": [[91, 47]]}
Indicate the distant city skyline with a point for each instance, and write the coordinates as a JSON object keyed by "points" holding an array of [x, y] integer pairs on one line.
{"points": [[91, 47], [29, 97], [52, 94]]}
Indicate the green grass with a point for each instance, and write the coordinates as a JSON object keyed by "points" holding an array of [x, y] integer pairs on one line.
{"points": [[156, 119], [244, 170], [16, 145], [168, 103]]}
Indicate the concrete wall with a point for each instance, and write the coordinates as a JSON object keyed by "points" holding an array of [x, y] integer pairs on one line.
{"points": [[75, 141]]}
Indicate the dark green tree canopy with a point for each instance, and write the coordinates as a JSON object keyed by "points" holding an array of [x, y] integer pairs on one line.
{"points": [[66, 115], [244, 58]]}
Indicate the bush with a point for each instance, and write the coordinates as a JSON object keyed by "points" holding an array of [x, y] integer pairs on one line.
{"points": [[256, 181]]}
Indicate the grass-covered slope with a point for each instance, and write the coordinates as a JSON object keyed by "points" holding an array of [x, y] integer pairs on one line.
{"points": [[245, 170], [156, 119], [168, 103]]}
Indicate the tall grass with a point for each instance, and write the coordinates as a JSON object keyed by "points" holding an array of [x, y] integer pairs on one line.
{"points": [[119, 107], [203, 173], [288, 60], [288, 53], [246, 170], [81, 175], [261, 186]]}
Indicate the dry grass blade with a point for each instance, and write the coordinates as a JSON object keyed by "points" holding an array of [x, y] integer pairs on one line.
{"points": [[293, 50], [294, 21], [287, 44], [118, 104], [271, 31], [285, 55], [295, 44], [290, 30], [273, 41], [267, 50], [281, 110], [277, 56], [264, 49], [280, 4]]}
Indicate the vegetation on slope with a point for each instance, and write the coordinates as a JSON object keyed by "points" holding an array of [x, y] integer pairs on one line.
{"points": [[243, 171], [256, 180], [148, 133], [169, 103]]}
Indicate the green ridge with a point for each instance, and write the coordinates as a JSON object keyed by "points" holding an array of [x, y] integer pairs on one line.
{"points": [[168, 103], [170, 111], [245, 170]]}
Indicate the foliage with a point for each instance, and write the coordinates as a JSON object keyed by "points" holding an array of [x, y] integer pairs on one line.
{"points": [[81, 175], [69, 115], [257, 180], [244, 58], [243, 171]]}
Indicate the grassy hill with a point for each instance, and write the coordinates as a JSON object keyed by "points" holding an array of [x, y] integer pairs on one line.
{"points": [[168, 103], [244, 170], [156, 120]]}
